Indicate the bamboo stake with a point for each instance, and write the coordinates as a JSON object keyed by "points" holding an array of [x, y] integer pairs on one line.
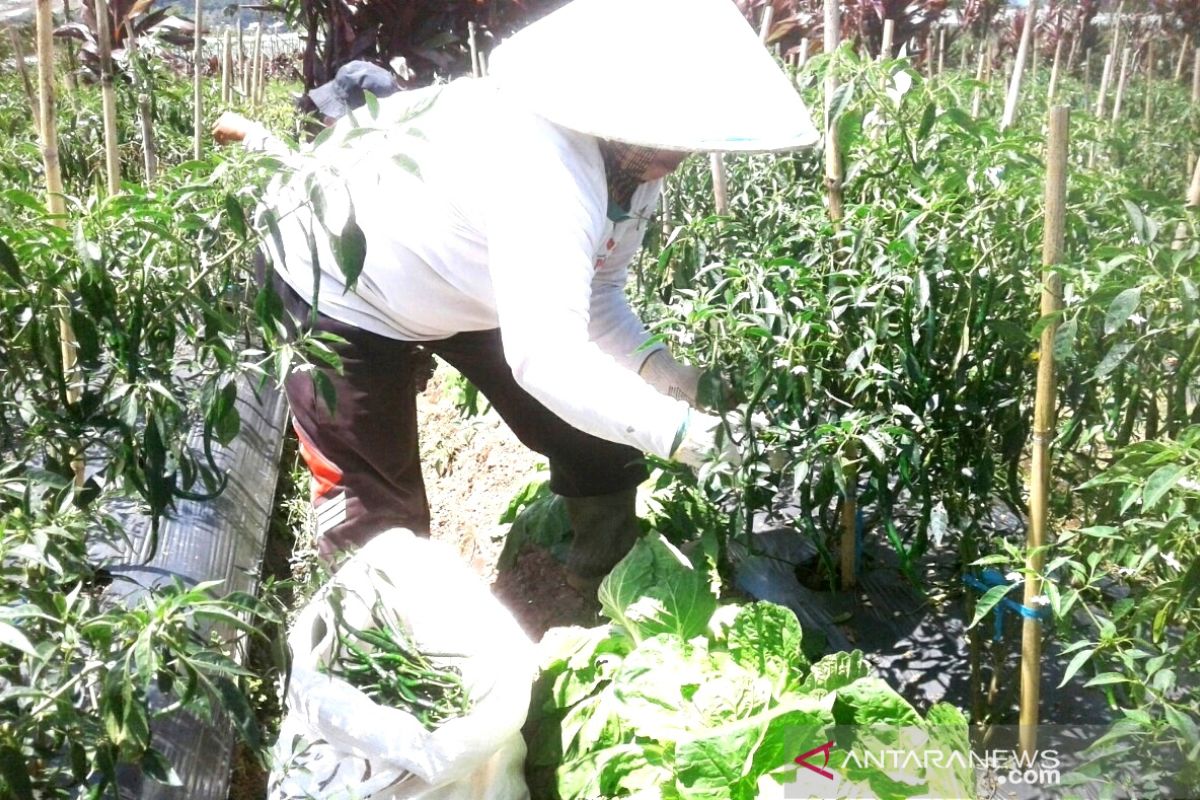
{"points": [[1196, 79], [1073, 53], [887, 46], [833, 161], [227, 67], [1105, 81], [483, 64], [149, 154], [260, 74], [1183, 51], [473, 46], [57, 206], [241, 61], [255, 58], [720, 184], [1014, 88], [1058, 51], [1116, 40], [26, 83], [1148, 106], [197, 84], [764, 28], [977, 95], [1054, 244], [802, 56], [112, 155], [941, 62], [1120, 96]]}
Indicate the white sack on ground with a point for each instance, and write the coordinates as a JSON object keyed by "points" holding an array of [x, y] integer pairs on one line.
{"points": [[335, 742]]}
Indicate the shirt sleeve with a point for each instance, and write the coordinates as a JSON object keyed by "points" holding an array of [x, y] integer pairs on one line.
{"points": [[260, 140], [615, 328], [545, 208]]}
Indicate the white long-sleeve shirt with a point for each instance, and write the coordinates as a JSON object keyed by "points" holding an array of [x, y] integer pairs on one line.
{"points": [[503, 223]]}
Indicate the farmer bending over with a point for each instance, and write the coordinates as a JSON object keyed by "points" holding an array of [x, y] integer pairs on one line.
{"points": [[500, 216]]}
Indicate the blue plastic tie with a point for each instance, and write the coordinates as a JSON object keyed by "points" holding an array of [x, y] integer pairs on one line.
{"points": [[990, 578]]}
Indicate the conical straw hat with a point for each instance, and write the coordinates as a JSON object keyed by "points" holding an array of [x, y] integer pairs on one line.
{"points": [[672, 74]]}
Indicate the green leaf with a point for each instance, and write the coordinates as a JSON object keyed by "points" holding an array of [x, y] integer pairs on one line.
{"points": [[927, 120], [11, 636], [351, 250], [1121, 308], [655, 590], [15, 773], [1064, 341], [408, 164], [989, 600], [1078, 661], [1161, 481], [372, 104], [870, 701], [237, 217], [8, 262], [1112, 359], [159, 768], [766, 638], [1138, 220], [1107, 678], [836, 670]]}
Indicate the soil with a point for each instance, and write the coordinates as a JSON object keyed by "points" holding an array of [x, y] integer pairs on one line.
{"points": [[473, 468]]}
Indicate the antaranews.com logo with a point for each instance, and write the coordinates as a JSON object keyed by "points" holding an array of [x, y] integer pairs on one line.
{"points": [[894, 762]]}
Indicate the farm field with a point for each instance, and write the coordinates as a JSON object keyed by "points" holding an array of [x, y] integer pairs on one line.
{"points": [[962, 345]]}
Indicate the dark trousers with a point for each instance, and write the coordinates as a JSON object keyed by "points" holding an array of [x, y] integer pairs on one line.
{"points": [[364, 459]]}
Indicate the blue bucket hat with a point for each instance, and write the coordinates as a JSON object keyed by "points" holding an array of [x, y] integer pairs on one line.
{"points": [[345, 92]]}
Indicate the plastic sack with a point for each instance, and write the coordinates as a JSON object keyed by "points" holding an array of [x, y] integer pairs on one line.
{"points": [[335, 743]]}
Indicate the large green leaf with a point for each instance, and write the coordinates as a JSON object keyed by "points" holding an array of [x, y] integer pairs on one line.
{"points": [[766, 638], [655, 590]]}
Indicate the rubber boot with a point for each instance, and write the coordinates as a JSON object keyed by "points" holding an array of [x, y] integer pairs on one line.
{"points": [[605, 528]]}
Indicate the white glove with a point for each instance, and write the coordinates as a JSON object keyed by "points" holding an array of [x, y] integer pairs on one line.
{"points": [[669, 377], [704, 438]]}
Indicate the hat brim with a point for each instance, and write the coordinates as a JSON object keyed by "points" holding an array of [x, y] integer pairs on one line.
{"points": [[714, 88], [329, 100]]}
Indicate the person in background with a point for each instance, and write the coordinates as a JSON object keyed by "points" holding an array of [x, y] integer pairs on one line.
{"points": [[324, 106], [500, 216]]}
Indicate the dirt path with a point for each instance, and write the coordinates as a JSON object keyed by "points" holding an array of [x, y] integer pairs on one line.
{"points": [[473, 468]]}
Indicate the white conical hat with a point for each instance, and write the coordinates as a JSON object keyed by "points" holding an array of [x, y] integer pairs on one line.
{"points": [[673, 74]]}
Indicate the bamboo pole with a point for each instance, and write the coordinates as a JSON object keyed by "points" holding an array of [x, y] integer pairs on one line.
{"points": [[833, 160], [764, 28], [1116, 37], [241, 61], [149, 153], [1054, 245], [260, 68], [197, 84], [112, 155], [802, 56], [977, 95], [1105, 82], [1058, 51], [255, 60], [227, 67], [1120, 96], [887, 45], [1196, 79], [483, 64], [473, 47], [1073, 53], [57, 206], [720, 184], [26, 83], [1181, 62], [941, 62], [1014, 88]]}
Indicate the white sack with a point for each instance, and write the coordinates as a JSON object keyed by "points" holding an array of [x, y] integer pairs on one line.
{"points": [[335, 742]]}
